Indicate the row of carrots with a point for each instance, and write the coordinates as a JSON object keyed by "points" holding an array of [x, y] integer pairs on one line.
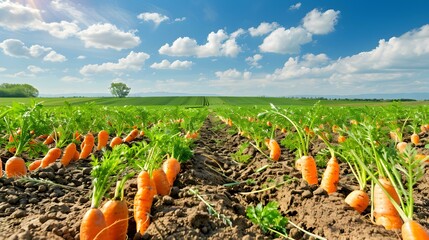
{"points": [[16, 166], [111, 220], [386, 202]]}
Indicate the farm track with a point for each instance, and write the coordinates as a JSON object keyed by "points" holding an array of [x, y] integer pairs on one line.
{"points": [[31, 210]]}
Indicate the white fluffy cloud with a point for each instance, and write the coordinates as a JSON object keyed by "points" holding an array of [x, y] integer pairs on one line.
{"points": [[2, 69], [53, 56], [105, 36], [72, 79], [285, 41], [400, 61], [35, 69], [176, 65], [16, 48], [263, 28], [156, 18], [180, 19], [317, 22], [233, 73], [253, 61], [134, 62], [218, 44], [295, 6], [15, 16]]}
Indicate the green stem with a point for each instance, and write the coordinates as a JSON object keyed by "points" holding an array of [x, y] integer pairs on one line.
{"points": [[306, 232], [279, 233]]}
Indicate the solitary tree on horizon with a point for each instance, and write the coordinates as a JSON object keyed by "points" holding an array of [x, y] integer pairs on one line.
{"points": [[119, 89]]}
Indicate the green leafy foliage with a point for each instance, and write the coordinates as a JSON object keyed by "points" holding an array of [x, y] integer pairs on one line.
{"points": [[239, 155], [267, 217]]}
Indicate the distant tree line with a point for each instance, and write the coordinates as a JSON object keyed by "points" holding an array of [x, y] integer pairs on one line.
{"points": [[18, 90]]}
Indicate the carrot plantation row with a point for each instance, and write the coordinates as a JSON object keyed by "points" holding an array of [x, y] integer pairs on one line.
{"points": [[384, 148]]}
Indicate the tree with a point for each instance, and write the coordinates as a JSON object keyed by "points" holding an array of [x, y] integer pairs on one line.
{"points": [[119, 89], [18, 90]]}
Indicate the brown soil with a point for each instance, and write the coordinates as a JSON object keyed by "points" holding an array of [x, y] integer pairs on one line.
{"points": [[30, 210]]}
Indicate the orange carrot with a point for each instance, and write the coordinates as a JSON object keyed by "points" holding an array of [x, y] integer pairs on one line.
{"points": [[341, 139], [163, 187], [87, 146], [93, 225], [34, 165], [384, 212], [77, 136], [146, 190], [331, 176], [274, 150], [15, 167], [358, 199], [116, 215], [11, 140], [401, 146], [415, 139], [50, 157], [309, 170], [115, 141], [171, 168], [103, 138], [50, 139], [68, 155], [132, 135], [412, 230], [76, 156]]}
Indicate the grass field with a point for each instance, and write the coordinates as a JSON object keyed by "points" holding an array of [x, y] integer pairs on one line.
{"points": [[196, 101]]}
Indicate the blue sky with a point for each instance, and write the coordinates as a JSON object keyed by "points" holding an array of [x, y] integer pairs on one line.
{"points": [[240, 47]]}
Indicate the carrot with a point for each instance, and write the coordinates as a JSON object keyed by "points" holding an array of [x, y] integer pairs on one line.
{"points": [[77, 136], [115, 212], [87, 146], [68, 155], [15, 167], [401, 146], [50, 157], [331, 176], [358, 199], [341, 139], [162, 184], [309, 170], [116, 216], [143, 199], [132, 135], [93, 225], [415, 139], [412, 230], [171, 168], [274, 150], [50, 139], [384, 212], [1, 169], [103, 138], [76, 156], [34, 165], [11, 140], [115, 141]]}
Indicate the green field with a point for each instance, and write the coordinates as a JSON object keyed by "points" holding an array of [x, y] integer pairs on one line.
{"points": [[198, 101]]}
